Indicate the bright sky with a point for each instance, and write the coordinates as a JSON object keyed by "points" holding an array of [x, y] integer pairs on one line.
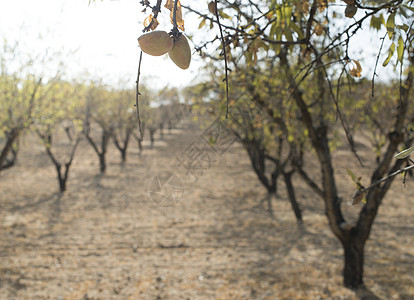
{"points": [[104, 34]]}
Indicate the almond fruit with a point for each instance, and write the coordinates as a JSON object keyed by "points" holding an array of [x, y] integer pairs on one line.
{"points": [[350, 10], [212, 7], [155, 43], [180, 53]]}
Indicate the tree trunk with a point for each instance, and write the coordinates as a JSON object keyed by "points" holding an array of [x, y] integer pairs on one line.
{"points": [[170, 126], [61, 178], [123, 155], [152, 138], [104, 143], [139, 147], [292, 197], [122, 144], [62, 184], [354, 263], [269, 198], [8, 146], [8, 163], [161, 131], [273, 184], [102, 162]]}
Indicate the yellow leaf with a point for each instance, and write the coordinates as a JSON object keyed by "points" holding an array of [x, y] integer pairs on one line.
{"points": [[202, 23]]}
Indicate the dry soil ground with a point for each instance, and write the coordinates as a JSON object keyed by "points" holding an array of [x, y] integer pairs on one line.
{"points": [[105, 238]]}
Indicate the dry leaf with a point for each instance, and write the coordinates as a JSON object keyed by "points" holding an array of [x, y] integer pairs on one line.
{"points": [[356, 71], [169, 5], [357, 197], [212, 7], [322, 4], [318, 29], [150, 20], [178, 16]]}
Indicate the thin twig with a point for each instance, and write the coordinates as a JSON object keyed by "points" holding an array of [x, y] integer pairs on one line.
{"points": [[336, 42], [136, 98], [174, 19], [156, 9], [225, 59], [376, 64], [344, 123], [388, 177]]}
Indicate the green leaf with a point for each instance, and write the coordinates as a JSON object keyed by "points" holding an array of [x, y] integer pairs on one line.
{"points": [[409, 7], [297, 29], [350, 173], [405, 153], [202, 23], [403, 12], [273, 30], [279, 16], [287, 12], [403, 27], [400, 49], [390, 53], [224, 15], [376, 22], [391, 25], [288, 34]]}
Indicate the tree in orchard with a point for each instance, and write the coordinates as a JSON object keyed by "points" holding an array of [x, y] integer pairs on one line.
{"points": [[124, 120], [99, 114], [304, 38], [267, 141], [21, 76], [171, 107], [167, 101], [58, 123], [152, 117]]}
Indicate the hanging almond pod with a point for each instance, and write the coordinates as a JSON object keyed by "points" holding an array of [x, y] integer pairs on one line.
{"points": [[156, 43], [180, 53], [212, 7], [350, 10]]}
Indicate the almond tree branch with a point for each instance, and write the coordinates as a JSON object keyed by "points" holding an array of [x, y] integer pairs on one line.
{"points": [[223, 42], [174, 19], [376, 64], [156, 9], [136, 98], [386, 178]]}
